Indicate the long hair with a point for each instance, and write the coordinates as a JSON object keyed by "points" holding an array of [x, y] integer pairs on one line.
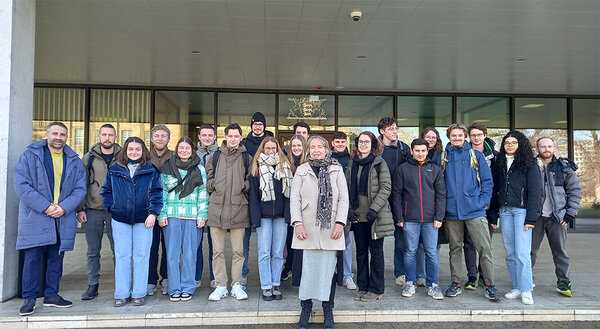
{"points": [[523, 156], [187, 140], [377, 150], [282, 158], [304, 151], [122, 157], [438, 143]]}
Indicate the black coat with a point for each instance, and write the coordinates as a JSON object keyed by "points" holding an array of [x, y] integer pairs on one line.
{"points": [[252, 142], [280, 207]]}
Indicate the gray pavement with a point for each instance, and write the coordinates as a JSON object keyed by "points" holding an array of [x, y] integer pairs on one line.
{"points": [[585, 275]]}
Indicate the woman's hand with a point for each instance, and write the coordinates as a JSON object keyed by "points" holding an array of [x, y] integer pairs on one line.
{"points": [[163, 222], [437, 224], [494, 226], [528, 227], [200, 223], [150, 220], [300, 232], [338, 231]]}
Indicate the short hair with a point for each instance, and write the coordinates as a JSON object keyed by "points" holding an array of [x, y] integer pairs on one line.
{"points": [[56, 123], [207, 126], [339, 135], [386, 122], [479, 126], [537, 143], [233, 126], [107, 125], [323, 141], [122, 157], [160, 127], [456, 126], [418, 141], [302, 124]]}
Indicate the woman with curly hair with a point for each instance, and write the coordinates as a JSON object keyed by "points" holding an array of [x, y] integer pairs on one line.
{"points": [[517, 200], [434, 142]]}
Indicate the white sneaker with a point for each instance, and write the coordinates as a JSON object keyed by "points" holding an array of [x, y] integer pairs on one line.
{"points": [[238, 292], [218, 293], [198, 283], [213, 283], [151, 289], [349, 283], [421, 282], [527, 298], [409, 289], [513, 294], [401, 280], [164, 286]]}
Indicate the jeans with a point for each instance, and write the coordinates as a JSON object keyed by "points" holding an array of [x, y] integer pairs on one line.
{"points": [[131, 241], [31, 270], [412, 233], [200, 256], [398, 251], [347, 256], [247, 234], [181, 238], [158, 237], [369, 273], [517, 243], [557, 239], [271, 237], [421, 270], [94, 231]]}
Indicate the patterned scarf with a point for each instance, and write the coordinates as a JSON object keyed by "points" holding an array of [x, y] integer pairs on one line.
{"points": [[269, 167], [325, 200]]}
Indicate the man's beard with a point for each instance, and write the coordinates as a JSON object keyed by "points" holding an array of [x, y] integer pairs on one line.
{"points": [[107, 147], [543, 155]]}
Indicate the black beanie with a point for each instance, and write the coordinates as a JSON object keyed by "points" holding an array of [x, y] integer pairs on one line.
{"points": [[258, 117]]}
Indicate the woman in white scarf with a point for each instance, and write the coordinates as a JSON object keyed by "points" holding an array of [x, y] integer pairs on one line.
{"points": [[270, 186]]}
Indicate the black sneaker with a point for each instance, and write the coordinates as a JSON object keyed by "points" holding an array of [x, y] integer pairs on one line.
{"points": [[491, 293], [91, 292], [27, 308], [471, 284], [57, 301], [453, 290], [286, 275]]}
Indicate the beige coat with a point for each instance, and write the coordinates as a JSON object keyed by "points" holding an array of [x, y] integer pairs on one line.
{"points": [[303, 207]]}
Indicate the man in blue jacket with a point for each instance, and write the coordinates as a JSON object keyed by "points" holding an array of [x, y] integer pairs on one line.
{"points": [[469, 190], [50, 182]]}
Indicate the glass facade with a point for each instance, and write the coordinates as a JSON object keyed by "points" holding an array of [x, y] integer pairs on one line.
{"points": [[360, 113], [586, 151], [493, 111], [239, 107], [541, 117], [418, 112], [316, 110]]}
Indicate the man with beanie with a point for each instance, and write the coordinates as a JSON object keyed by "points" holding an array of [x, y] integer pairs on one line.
{"points": [[258, 133]]}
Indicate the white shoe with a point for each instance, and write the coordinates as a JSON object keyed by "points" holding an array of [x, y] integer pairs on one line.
{"points": [[164, 286], [151, 289], [349, 283], [527, 298], [198, 284], [213, 283], [421, 282], [513, 294], [238, 292], [401, 280], [409, 289], [218, 293]]}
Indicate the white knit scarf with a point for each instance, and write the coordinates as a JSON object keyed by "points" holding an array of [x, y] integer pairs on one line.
{"points": [[269, 167]]}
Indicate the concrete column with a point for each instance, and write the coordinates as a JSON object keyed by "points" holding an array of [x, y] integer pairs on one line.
{"points": [[17, 40]]}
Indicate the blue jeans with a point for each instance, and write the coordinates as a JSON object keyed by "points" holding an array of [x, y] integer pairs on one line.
{"points": [[247, 234], [181, 237], [271, 236], [421, 271], [200, 257], [348, 256], [517, 243], [31, 270], [412, 232], [398, 251], [131, 241]]}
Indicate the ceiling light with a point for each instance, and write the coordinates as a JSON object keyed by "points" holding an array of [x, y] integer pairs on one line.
{"points": [[482, 120], [531, 106], [403, 119], [196, 52], [361, 57], [521, 60], [339, 87], [561, 121]]}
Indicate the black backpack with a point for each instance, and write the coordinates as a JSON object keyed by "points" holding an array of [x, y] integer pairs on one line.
{"points": [[217, 154]]}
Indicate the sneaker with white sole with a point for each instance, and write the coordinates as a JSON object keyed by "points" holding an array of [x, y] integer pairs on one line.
{"points": [[527, 298], [151, 289], [421, 282], [435, 291], [349, 283], [409, 289], [198, 283], [164, 285], [401, 280], [218, 293], [213, 283], [513, 294], [238, 291]]}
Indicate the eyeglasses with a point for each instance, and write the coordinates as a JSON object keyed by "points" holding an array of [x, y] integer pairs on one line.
{"points": [[364, 142], [511, 143], [431, 138], [476, 135]]}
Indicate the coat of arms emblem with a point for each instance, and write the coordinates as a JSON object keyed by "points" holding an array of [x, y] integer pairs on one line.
{"points": [[307, 108]]}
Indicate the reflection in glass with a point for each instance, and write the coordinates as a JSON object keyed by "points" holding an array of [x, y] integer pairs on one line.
{"points": [[586, 144], [362, 113], [418, 112], [239, 108], [543, 117], [316, 110]]}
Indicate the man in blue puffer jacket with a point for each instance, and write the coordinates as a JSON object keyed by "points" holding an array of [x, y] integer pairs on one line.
{"points": [[50, 182], [469, 187]]}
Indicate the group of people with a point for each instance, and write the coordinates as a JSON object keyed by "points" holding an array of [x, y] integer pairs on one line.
{"points": [[307, 202]]}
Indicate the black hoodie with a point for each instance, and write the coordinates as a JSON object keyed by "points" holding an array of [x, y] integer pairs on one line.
{"points": [[252, 142]]}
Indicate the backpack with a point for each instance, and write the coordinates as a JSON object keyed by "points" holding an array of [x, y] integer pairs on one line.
{"points": [[217, 154], [91, 173], [474, 162]]}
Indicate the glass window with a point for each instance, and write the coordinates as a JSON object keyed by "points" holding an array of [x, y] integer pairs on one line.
{"points": [[79, 137], [586, 144], [318, 111], [540, 117], [360, 113], [127, 110], [60, 104], [184, 112], [239, 108], [493, 111], [418, 112]]}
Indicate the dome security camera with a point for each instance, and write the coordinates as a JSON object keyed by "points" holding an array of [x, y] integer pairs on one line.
{"points": [[356, 15]]}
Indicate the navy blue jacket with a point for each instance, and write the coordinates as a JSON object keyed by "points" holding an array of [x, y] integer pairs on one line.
{"points": [[342, 157], [395, 154], [35, 190], [131, 200], [280, 207], [252, 142]]}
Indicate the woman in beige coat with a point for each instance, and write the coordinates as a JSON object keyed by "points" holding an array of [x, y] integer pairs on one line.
{"points": [[318, 209]]}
